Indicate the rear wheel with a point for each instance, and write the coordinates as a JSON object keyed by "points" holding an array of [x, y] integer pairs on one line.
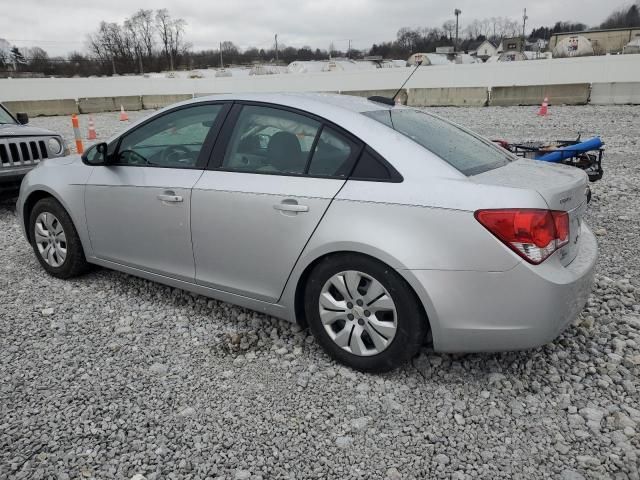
{"points": [[363, 313], [55, 241]]}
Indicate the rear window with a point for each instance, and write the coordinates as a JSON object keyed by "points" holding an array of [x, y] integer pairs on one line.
{"points": [[458, 147]]}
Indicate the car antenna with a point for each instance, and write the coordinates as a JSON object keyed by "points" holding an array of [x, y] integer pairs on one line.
{"points": [[392, 101]]}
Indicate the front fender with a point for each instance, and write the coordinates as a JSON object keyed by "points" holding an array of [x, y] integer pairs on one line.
{"points": [[64, 181]]}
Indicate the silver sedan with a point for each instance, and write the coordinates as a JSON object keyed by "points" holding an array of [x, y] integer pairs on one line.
{"points": [[381, 228]]}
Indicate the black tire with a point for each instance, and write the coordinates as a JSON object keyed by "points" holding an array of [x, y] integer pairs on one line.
{"points": [[75, 262], [412, 324]]}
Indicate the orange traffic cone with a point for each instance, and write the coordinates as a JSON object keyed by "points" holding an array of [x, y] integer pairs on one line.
{"points": [[92, 130], [76, 133], [123, 115], [544, 108]]}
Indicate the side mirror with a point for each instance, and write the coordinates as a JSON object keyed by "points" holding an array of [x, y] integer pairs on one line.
{"points": [[22, 118], [97, 155]]}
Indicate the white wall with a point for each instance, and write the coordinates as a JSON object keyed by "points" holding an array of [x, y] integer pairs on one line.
{"points": [[604, 69]]}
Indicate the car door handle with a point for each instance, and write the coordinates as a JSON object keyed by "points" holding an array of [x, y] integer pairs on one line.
{"points": [[170, 197], [291, 207]]}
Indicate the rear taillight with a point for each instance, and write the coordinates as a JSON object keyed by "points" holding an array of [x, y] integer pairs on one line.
{"points": [[533, 234]]}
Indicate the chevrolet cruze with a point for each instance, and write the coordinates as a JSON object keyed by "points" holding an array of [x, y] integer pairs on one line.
{"points": [[379, 227]]}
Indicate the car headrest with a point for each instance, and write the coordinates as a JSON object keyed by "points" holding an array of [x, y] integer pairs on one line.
{"points": [[284, 153]]}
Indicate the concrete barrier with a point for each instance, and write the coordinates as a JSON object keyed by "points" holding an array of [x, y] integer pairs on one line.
{"points": [[560, 71], [626, 93], [402, 96], [36, 108], [446, 97], [109, 104], [130, 103], [569, 94], [160, 101], [96, 105]]}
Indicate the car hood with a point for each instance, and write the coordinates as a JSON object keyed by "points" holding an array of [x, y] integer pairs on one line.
{"points": [[58, 161], [9, 130]]}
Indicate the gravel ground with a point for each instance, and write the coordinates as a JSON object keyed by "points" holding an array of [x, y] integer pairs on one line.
{"points": [[110, 376]]}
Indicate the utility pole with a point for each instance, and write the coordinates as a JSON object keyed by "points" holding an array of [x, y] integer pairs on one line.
{"points": [[524, 23], [457, 13], [349, 50], [221, 62], [276, 48]]}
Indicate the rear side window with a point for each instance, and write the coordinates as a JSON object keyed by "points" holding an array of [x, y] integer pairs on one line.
{"points": [[270, 140], [460, 148], [371, 166], [333, 155]]}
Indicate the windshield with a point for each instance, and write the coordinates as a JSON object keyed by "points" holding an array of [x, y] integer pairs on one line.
{"points": [[5, 117], [458, 147]]}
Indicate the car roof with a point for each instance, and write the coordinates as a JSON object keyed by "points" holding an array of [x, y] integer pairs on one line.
{"points": [[312, 102]]}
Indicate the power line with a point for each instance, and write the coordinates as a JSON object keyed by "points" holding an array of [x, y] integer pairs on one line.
{"points": [[63, 42]]}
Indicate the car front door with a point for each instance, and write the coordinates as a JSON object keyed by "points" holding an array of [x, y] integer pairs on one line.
{"points": [[138, 206], [275, 173]]}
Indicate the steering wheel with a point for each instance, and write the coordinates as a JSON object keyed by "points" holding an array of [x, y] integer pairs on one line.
{"points": [[170, 153], [133, 158]]}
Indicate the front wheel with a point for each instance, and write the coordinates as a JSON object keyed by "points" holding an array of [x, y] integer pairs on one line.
{"points": [[363, 313], [55, 240]]}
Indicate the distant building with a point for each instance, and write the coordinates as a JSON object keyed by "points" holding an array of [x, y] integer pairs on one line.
{"points": [[537, 45], [485, 50], [632, 47], [573, 46], [419, 58], [428, 59], [511, 56], [513, 44], [445, 50], [603, 41]]}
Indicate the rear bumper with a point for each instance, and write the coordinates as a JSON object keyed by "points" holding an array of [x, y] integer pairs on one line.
{"points": [[521, 308]]}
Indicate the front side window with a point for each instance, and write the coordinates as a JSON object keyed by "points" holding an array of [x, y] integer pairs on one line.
{"points": [[270, 140], [172, 140], [468, 153], [5, 117]]}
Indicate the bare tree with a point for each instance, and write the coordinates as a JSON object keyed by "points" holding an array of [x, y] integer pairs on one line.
{"points": [[5, 49], [38, 60], [449, 27], [623, 18], [171, 32], [140, 30], [110, 44], [474, 29], [408, 38], [145, 27]]}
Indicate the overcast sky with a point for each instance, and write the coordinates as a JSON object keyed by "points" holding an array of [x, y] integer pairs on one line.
{"points": [[60, 26]]}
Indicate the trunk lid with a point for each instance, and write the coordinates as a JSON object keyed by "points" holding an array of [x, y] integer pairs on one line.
{"points": [[563, 188]]}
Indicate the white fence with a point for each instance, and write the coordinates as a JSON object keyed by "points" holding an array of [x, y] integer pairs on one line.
{"points": [[603, 69]]}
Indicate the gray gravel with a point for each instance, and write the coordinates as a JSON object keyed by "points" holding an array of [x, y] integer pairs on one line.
{"points": [[110, 376]]}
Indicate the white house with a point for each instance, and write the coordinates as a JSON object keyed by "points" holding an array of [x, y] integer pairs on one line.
{"points": [[486, 50]]}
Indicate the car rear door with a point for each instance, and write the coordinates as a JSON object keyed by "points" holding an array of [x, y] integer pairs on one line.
{"points": [[139, 207], [272, 176]]}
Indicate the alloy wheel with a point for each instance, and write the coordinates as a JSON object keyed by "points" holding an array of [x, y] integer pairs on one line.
{"points": [[358, 313], [50, 239]]}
